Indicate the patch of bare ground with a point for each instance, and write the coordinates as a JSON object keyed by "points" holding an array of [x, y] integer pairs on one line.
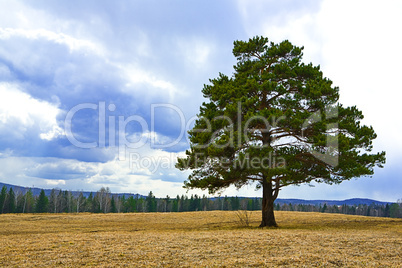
{"points": [[198, 239]]}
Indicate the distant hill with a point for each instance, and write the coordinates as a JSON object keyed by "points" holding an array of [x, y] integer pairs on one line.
{"points": [[36, 191], [281, 201], [349, 202]]}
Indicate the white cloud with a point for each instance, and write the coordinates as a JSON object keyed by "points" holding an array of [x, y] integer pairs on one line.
{"points": [[19, 113], [53, 183], [59, 38], [16, 14], [140, 80], [196, 52]]}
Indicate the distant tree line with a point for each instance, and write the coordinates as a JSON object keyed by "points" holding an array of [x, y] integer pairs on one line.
{"points": [[393, 210], [103, 201]]}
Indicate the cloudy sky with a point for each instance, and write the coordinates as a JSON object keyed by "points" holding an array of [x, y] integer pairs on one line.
{"points": [[81, 79]]}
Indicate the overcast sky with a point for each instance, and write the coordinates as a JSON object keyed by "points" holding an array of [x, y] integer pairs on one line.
{"points": [[80, 78]]}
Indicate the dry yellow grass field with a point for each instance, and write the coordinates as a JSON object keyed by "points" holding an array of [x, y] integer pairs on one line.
{"points": [[198, 239]]}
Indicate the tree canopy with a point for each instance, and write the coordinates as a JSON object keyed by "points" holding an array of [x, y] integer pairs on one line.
{"points": [[275, 122]]}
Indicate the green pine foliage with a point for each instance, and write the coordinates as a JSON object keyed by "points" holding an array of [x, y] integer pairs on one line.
{"points": [[10, 202], [3, 197], [42, 203]]}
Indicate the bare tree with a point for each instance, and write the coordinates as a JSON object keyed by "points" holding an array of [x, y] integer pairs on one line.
{"points": [[80, 200], [104, 199], [243, 217], [53, 201]]}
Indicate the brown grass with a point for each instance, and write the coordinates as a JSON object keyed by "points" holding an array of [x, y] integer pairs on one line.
{"points": [[199, 239]]}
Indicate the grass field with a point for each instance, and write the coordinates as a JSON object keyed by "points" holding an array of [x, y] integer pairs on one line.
{"points": [[198, 239]]}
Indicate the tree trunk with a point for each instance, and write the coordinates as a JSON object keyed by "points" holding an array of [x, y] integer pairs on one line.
{"points": [[268, 198]]}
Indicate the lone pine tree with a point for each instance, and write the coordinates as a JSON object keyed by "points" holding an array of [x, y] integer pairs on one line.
{"points": [[275, 122]]}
